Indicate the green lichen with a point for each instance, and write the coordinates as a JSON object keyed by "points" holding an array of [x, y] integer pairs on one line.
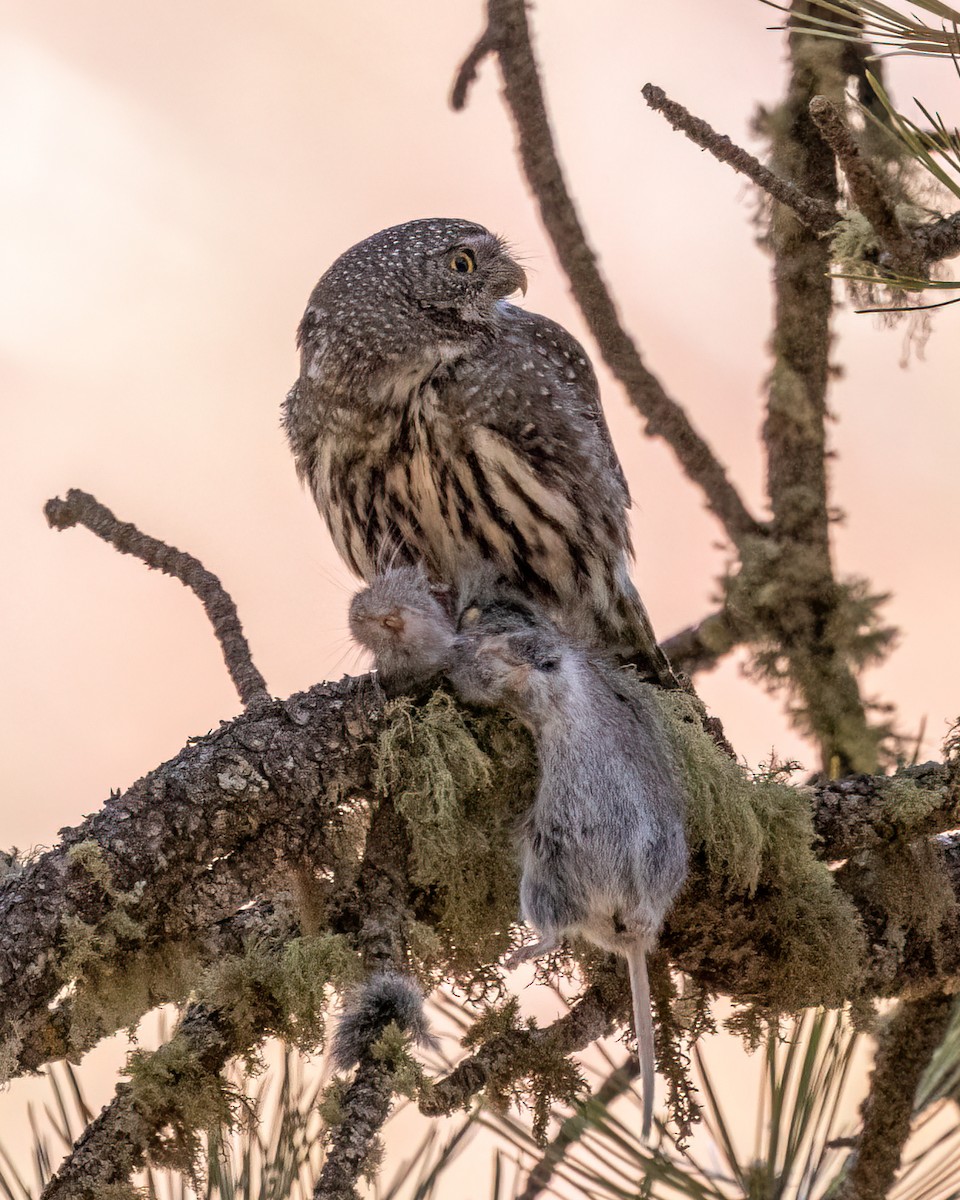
{"points": [[461, 780], [179, 1097], [392, 1048], [752, 848], [282, 992], [330, 1106], [809, 634]]}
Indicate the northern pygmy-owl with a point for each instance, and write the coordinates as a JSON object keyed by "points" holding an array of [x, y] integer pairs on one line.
{"points": [[437, 423]]}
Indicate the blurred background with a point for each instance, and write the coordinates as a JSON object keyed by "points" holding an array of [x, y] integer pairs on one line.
{"points": [[173, 180]]}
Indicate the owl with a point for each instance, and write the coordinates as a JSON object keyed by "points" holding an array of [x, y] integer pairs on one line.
{"points": [[438, 424]]}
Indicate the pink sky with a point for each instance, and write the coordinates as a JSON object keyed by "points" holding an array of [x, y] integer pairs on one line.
{"points": [[174, 178]]}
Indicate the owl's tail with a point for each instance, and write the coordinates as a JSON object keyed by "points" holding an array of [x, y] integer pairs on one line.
{"points": [[635, 641]]}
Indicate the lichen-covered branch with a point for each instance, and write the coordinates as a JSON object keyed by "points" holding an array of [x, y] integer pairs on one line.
{"points": [[911, 1035], [939, 239], [507, 32], [700, 647], [263, 792], [182, 1082], [572, 1129], [80, 508], [503, 1056], [866, 189], [120, 883], [818, 215], [806, 619], [117, 995], [867, 812], [383, 910]]}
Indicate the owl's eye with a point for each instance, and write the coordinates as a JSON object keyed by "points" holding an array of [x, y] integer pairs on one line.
{"points": [[463, 261]]}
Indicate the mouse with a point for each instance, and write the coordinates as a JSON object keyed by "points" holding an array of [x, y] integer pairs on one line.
{"points": [[406, 622], [604, 850]]}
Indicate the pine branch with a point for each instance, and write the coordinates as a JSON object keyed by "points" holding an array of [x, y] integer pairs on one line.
{"points": [[862, 812], [866, 189], [119, 1140], [384, 894], [507, 33], [905, 1047], [80, 508], [267, 783], [700, 647], [593, 1016], [817, 215]]}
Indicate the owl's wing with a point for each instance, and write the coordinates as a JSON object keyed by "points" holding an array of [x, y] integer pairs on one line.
{"points": [[535, 388]]}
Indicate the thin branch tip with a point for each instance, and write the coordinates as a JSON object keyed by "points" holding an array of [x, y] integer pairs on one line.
{"points": [[466, 75], [82, 508]]}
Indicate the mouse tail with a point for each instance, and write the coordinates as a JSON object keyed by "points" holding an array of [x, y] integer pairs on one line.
{"points": [[643, 1026]]}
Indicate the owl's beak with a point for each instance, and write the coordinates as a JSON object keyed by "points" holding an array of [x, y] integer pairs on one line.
{"points": [[508, 277]]}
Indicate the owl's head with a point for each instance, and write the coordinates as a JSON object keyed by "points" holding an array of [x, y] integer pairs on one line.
{"points": [[413, 290]]}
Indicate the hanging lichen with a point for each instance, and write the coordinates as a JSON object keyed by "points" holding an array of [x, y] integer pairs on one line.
{"points": [[462, 780]]}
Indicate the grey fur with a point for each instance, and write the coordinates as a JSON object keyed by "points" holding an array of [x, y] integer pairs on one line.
{"points": [[604, 849], [384, 997], [436, 422], [400, 618]]}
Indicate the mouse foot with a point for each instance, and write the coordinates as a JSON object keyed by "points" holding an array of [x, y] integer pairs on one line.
{"points": [[526, 953]]}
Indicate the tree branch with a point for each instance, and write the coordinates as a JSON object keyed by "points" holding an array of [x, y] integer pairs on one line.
{"points": [[508, 33], [911, 1035], [865, 812], [700, 647], [384, 891], [818, 215], [866, 190], [80, 508], [267, 783], [804, 621], [593, 1016], [118, 1142]]}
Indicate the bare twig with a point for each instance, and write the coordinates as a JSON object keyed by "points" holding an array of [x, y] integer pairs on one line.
{"points": [[912, 1034], [508, 32], [866, 190], [467, 72], [816, 214], [700, 647], [80, 508]]}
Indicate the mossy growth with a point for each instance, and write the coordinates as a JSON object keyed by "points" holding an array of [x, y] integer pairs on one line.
{"points": [[282, 992], [179, 1097], [526, 1070], [392, 1048], [809, 634], [751, 844], [461, 780], [114, 976]]}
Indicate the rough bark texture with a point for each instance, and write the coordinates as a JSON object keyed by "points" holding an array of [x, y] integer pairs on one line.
{"points": [[794, 429], [911, 1035]]}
